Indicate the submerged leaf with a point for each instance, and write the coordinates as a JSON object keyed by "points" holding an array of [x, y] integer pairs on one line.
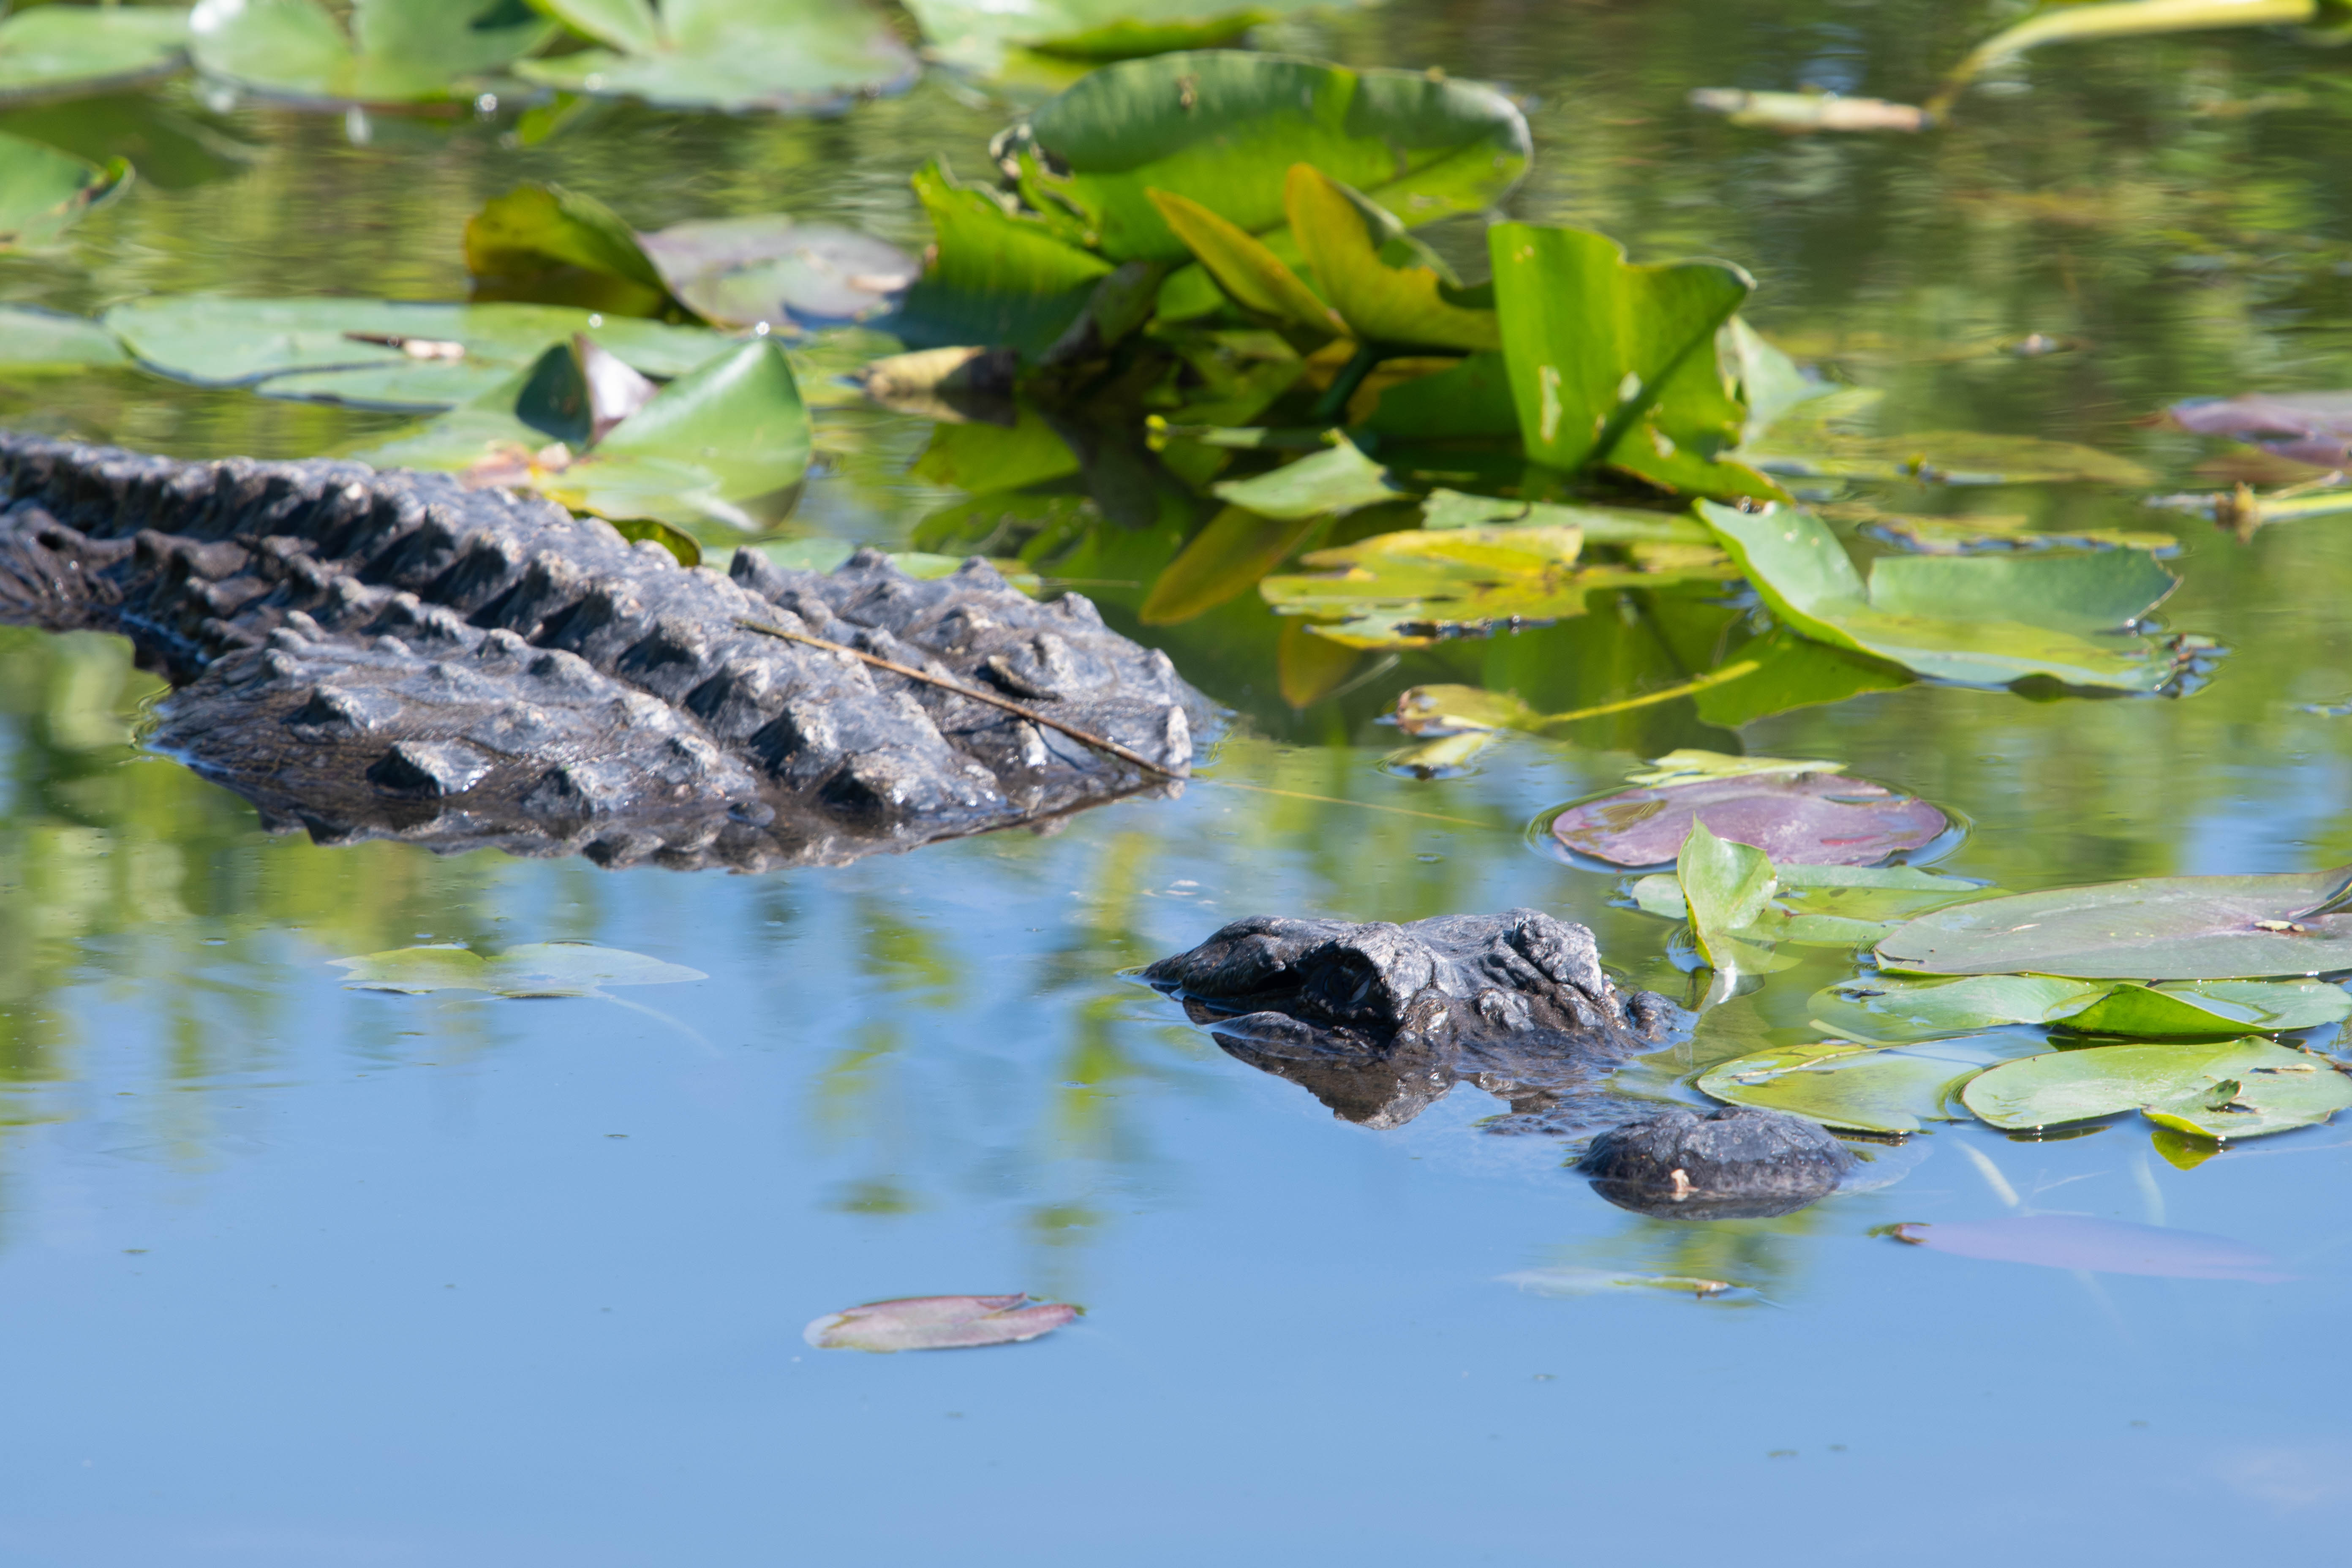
{"points": [[1817, 819], [2153, 928], [2277, 1089], [1861, 1088], [535, 969], [2101, 1245], [938, 1323], [730, 54], [1974, 620]]}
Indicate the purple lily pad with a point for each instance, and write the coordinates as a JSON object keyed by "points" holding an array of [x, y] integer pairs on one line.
{"points": [[937, 1323], [2102, 1246], [1799, 819], [2313, 427]]}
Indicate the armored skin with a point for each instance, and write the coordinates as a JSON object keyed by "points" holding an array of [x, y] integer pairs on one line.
{"points": [[392, 653]]}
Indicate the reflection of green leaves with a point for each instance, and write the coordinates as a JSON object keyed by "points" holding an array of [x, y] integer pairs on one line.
{"points": [[1222, 562], [535, 969], [2175, 1086], [2154, 928], [398, 51], [1612, 362], [1224, 127], [1884, 1007], [1341, 479], [43, 192], [88, 48], [708, 447], [1977, 620], [545, 245], [1864, 1088], [375, 353], [730, 55]]}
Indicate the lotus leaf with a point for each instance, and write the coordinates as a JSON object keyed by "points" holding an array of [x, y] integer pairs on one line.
{"points": [[378, 353], [938, 1323], [1972, 620], [719, 445], [43, 192], [2154, 928], [535, 969], [398, 51], [1861, 1088], [2239, 1089], [730, 55], [1224, 127], [1810, 817], [32, 339], [52, 51], [2101, 1245]]}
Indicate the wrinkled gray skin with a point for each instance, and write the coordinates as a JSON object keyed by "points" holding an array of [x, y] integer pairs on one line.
{"points": [[371, 654], [1380, 1021]]}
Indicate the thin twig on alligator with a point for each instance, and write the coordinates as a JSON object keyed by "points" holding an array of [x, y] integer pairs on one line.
{"points": [[369, 654]]}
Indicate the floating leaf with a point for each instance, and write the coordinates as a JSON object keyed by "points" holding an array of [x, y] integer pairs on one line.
{"points": [[1599, 524], [711, 447], [1816, 818], [398, 51], [2278, 1088], [740, 271], [978, 35], [53, 50], [730, 55], [2120, 18], [1801, 449], [1617, 364], [43, 192], [1861, 1088], [2101, 1245], [1596, 1281], [1990, 535], [2313, 427], [1975, 620], [1827, 906], [1797, 112], [378, 353], [1224, 127], [2154, 928], [1880, 1007], [32, 339], [1341, 480], [2212, 1007], [938, 1323], [535, 969]]}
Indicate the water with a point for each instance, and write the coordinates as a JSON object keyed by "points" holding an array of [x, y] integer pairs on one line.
{"points": [[293, 1274]]}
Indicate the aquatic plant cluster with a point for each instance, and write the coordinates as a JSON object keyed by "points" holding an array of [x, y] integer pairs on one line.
{"points": [[1225, 326]]}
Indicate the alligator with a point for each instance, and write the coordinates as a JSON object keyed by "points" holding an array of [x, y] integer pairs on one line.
{"points": [[366, 653], [1380, 1021]]}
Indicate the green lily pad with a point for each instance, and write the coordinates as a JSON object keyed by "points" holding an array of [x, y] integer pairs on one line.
{"points": [[1599, 524], [1861, 1088], [1824, 905], [1886, 1009], [32, 339], [397, 51], [535, 969], [1341, 480], [43, 192], [2209, 1008], [2153, 928], [742, 272], [1972, 620], [379, 353], [722, 444], [54, 50], [732, 55], [1617, 364], [2239, 1088], [1990, 535], [1802, 449], [1224, 127]]}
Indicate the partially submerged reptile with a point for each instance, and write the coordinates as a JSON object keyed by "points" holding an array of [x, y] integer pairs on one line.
{"points": [[1379, 1021], [388, 654]]}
